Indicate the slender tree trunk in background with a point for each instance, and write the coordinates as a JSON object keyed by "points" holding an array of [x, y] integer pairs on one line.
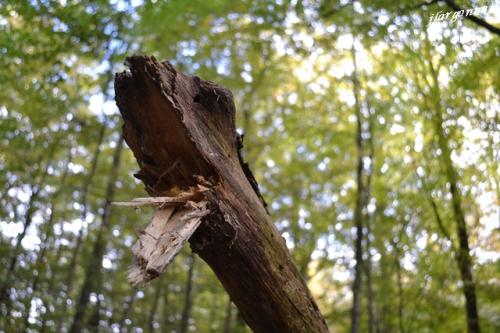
{"points": [[43, 327], [95, 318], [229, 315], [385, 275], [188, 296], [171, 119], [212, 319], [44, 245], [154, 306], [166, 324], [410, 318], [67, 286], [435, 211], [400, 288], [4, 194], [358, 209], [372, 317], [93, 269], [50, 294], [399, 275], [126, 311], [463, 257], [463, 252], [85, 207], [28, 218]]}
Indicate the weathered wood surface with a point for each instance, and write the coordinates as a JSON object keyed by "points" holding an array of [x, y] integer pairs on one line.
{"points": [[193, 194], [163, 239], [182, 132]]}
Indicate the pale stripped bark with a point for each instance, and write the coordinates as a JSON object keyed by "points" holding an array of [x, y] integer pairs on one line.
{"points": [[162, 240]]}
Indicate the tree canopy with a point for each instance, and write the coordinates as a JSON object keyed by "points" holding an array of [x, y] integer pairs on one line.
{"points": [[374, 135]]}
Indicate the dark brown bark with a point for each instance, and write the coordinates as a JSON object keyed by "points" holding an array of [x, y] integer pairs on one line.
{"points": [[239, 323], [93, 269], [185, 126]]}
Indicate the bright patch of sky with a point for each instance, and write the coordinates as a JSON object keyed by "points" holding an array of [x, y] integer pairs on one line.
{"points": [[73, 226], [347, 97], [106, 263], [419, 139], [3, 112], [304, 71], [98, 106], [36, 303], [289, 240], [11, 229], [490, 222]]}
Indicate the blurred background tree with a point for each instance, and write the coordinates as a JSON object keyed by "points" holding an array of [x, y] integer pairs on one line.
{"points": [[374, 136]]}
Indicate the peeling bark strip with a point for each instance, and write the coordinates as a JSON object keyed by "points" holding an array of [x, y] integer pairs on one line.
{"points": [[163, 239], [181, 130], [169, 229]]}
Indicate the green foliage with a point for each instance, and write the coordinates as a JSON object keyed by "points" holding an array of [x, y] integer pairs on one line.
{"points": [[289, 66]]}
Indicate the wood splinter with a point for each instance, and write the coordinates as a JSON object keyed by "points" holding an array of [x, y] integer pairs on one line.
{"points": [[173, 223]]}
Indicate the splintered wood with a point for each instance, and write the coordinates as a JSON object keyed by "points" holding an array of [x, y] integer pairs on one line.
{"points": [[194, 194], [173, 223]]}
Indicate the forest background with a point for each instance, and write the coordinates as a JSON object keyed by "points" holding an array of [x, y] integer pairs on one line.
{"points": [[373, 134]]}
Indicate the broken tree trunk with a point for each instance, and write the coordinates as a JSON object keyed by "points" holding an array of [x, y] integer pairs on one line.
{"points": [[182, 132]]}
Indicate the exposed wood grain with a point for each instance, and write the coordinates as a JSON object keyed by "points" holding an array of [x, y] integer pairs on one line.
{"points": [[163, 239]]}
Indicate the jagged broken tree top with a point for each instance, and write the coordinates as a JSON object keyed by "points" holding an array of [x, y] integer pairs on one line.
{"points": [[181, 130]]}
